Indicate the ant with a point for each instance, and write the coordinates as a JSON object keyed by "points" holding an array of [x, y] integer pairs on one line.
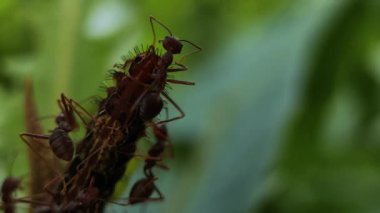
{"points": [[60, 142], [144, 188], [161, 135], [10, 185], [152, 104], [151, 70]]}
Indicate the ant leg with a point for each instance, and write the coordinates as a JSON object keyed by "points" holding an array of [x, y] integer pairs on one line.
{"points": [[43, 137], [73, 104], [180, 82], [161, 197], [52, 181], [67, 111], [26, 200], [145, 157], [148, 157], [31, 135], [162, 166], [73, 107], [182, 114], [144, 199], [152, 19], [180, 68]]}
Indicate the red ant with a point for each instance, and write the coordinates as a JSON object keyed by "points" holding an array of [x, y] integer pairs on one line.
{"points": [[161, 135], [60, 142], [144, 188], [152, 103], [151, 70], [10, 185]]}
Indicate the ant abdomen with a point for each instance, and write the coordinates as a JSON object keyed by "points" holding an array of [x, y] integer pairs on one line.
{"points": [[61, 144], [151, 106], [141, 190]]}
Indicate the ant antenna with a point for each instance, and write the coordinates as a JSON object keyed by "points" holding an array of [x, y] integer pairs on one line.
{"points": [[151, 18], [10, 169], [41, 118], [197, 49]]}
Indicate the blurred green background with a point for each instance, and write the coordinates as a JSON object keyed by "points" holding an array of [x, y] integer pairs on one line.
{"points": [[284, 116]]}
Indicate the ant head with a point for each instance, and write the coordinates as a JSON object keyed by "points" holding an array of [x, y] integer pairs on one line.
{"points": [[62, 122], [60, 118], [172, 44]]}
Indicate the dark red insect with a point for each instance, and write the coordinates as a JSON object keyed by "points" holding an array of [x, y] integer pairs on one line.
{"points": [[60, 142], [151, 105], [143, 189], [154, 154], [8, 188], [148, 72], [151, 70], [10, 185]]}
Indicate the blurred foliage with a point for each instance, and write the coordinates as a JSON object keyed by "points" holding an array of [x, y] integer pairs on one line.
{"points": [[284, 116], [329, 162]]}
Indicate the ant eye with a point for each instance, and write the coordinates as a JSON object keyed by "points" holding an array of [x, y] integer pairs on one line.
{"points": [[60, 118], [172, 44]]}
